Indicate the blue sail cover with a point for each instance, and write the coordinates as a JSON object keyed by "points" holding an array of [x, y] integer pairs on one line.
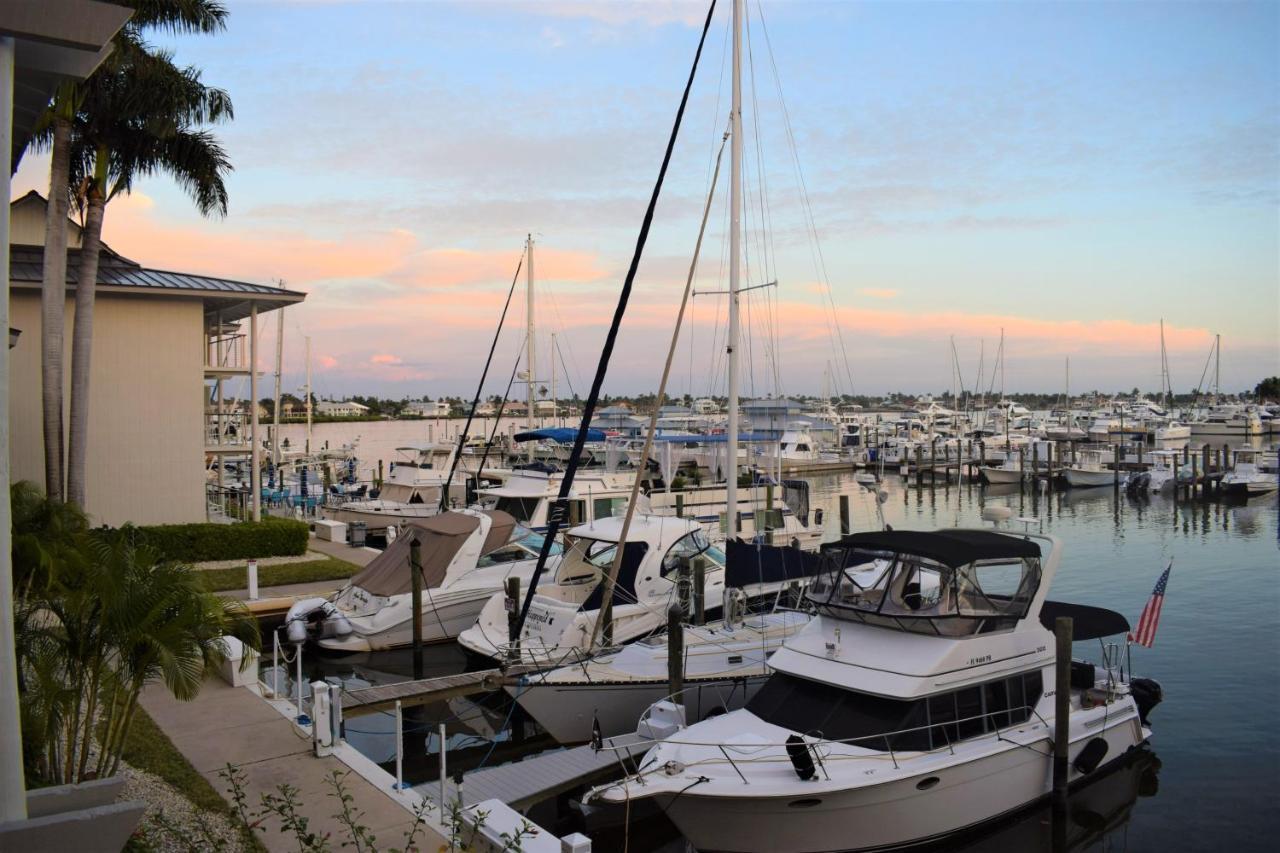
{"points": [[561, 435], [716, 438], [749, 563]]}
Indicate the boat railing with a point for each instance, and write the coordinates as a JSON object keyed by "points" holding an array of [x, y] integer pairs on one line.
{"points": [[815, 745]]}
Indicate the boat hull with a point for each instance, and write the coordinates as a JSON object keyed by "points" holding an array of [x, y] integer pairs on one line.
{"points": [[443, 619], [1001, 475], [567, 711], [886, 816], [1088, 479]]}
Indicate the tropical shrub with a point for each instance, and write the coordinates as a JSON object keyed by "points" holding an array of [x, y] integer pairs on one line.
{"points": [[194, 543]]}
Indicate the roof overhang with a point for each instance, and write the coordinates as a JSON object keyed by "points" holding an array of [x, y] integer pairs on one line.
{"points": [[54, 40]]}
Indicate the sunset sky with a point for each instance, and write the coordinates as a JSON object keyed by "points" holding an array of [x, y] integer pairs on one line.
{"points": [[1069, 172]]}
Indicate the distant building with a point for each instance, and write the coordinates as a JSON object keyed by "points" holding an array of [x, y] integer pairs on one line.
{"points": [[545, 407], [428, 409], [164, 343], [706, 406], [486, 410], [345, 409]]}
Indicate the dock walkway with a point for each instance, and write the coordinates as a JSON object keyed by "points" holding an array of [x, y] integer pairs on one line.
{"points": [[383, 697], [232, 725], [520, 784]]}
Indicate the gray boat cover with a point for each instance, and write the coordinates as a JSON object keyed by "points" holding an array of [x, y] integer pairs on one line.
{"points": [[440, 537]]}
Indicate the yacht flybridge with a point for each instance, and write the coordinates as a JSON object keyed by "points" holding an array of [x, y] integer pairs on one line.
{"points": [[919, 702]]}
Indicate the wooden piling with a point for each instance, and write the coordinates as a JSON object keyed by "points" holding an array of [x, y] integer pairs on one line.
{"points": [[1195, 475], [1062, 631], [513, 617], [699, 590], [415, 601], [675, 651], [844, 515], [1115, 466], [919, 466]]}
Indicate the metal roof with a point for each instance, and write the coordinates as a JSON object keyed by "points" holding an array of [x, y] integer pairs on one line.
{"points": [[226, 297]]}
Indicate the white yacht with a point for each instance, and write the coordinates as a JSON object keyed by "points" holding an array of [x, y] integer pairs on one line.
{"points": [[1163, 473], [1229, 420], [914, 706], [1009, 471], [1246, 476], [724, 661], [562, 617], [410, 491], [465, 557], [1090, 470]]}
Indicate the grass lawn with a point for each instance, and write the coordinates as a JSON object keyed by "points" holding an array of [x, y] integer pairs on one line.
{"points": [[149, 748], [219, 580]]}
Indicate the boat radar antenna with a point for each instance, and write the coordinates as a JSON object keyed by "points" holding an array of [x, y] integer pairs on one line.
{"points": [[996, 514]]}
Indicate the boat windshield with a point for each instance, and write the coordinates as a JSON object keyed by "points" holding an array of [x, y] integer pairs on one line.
{"points": [[524, 545], [913, 593], [687, 547], [590, 559]]}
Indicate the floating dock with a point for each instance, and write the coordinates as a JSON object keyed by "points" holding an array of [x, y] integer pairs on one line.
{"points": [[520, 784], [384, 697]]}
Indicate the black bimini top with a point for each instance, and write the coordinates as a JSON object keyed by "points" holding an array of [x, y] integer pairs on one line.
{"points": [[954, 548], [1088, 622]]}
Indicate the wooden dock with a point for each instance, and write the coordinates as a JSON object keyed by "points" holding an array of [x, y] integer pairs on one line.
{"points": [[383, 697], [520, 784]]}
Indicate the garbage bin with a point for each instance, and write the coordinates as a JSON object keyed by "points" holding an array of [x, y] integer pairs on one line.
{"points": [[357, 530]]}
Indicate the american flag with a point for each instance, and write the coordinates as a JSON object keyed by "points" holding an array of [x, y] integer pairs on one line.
{"points": [[1146, 633]]}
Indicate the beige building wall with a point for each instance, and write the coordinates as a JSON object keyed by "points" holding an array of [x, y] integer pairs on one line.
{"points": [[146, 416]]}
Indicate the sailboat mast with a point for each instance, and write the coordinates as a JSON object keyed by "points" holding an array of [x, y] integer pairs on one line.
{"points": [[554, 413], [308, 340], [275, 407], [531, 341], [1217, 365], [735, 255]]}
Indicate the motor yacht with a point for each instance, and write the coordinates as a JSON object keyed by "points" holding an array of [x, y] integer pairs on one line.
{"points": [[724, 661], [465, 556], [914, 706], [1229, 420], [1089, 470], [562, 616], [1009, 471], [409, 493], [1246, 476]]}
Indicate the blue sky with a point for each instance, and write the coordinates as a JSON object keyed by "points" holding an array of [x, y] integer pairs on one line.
{"points": [[1071, 172]]}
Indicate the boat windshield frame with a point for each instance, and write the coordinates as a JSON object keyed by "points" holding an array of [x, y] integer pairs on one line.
{"points": [[913, 593]]}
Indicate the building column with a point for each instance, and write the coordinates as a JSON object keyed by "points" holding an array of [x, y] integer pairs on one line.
{"points": [[255, 453], [13, 795]]}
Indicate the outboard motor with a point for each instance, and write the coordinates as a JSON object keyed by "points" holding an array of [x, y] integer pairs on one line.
{"points": [[1147, 694]]}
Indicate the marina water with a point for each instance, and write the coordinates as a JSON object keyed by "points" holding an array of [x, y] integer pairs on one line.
{"points": [[1211, 780]]}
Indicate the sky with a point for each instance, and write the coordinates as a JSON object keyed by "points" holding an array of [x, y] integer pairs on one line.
{"points": [[919, 176]]}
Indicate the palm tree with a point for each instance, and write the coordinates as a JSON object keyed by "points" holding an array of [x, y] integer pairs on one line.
{"points": [[202, 16], [139, 116]]}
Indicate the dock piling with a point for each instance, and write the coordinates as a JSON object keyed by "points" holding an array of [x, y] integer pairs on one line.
{"points": [[844, 515], [1063, 629], [699, 590], [444, 767], [415, 570], [675, 651], [513, 618], [399, 786]]}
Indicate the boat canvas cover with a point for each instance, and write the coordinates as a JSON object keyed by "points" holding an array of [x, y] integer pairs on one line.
{"points": [[624, 589], [954, 548], [748, 563], [440, 537], [1087, 622], [499, 532], [560, 435]]}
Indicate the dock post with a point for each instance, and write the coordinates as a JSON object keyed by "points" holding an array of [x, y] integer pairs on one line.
{"points": [[684, 586], [513, 618], [1050, 448], [844, 515], [675, 652], [252, 572], [1204, 466], [301, 718], [415, 572], [1115, 466], [1195, 476], [1035, 460], [699, 590], [379, 473], [1062, 631], [679, 505], [1022, 463], [275, 664], [399, 786], [919, 466], [444, 775]]}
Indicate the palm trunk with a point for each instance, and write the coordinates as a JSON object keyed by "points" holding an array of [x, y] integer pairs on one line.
{"points": [[53, 296], [82, 337]]}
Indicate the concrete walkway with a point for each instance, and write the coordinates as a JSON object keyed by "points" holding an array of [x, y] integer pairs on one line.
{"points": [[360, 556], [232, 725]]}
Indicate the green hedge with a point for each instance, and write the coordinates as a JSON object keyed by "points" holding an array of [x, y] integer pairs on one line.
{"points": [[195, 543]]}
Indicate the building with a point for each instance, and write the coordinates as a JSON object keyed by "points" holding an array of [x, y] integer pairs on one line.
{"points": [[171, 360], [343, 409], [706, 406], [486, 410], [428, 409]]}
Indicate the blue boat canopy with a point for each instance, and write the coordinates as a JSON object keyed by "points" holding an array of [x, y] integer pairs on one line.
{"points": [[561, 435]]}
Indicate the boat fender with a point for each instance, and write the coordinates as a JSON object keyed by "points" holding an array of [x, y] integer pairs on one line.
{"points": [[801, 760], [1147, 693], [1091, 756]]}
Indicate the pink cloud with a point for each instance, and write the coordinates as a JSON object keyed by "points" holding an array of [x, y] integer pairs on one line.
{"points": [[879, 292], [385, 358]]}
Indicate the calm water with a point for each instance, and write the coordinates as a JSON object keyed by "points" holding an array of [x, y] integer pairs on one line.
{"points": [[1214, 770]]}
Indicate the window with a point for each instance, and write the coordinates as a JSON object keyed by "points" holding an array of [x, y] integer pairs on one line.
{"points": [[686, 548], [608, 507], [521, 509], [587, 559], [879, 723]]}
